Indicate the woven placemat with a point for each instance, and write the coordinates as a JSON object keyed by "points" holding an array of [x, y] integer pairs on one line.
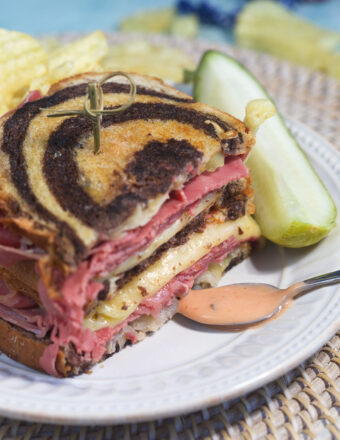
{"points": [[302, 404]]}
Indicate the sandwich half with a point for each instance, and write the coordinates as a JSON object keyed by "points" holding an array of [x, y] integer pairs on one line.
{"points": [[97, 250]]}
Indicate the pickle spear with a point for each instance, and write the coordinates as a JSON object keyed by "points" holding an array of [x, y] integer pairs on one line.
{"points": [[293, 207]]}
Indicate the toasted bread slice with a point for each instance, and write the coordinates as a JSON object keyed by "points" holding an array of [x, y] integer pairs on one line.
{"points": [[22, 277], [57, 192]]}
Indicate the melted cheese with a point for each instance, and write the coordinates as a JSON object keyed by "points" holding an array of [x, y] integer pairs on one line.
{"points": [[257, 111], [113, 311], [212, 276], [166, 234], [216, 161], [142, 215]]}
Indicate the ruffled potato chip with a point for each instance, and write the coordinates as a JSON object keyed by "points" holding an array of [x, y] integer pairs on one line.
{"points": [[145, 58], [82, 55], [22, 60]]}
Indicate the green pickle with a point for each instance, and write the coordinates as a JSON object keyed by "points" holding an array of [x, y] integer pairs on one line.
{"points": [[293, 207]]}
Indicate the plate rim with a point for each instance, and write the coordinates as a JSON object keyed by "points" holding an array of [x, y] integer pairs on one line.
{"points": [[198, 403]]}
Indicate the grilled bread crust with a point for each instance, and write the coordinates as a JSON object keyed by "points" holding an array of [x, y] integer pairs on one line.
{"points": [[57, 192], [23, 347], [22, 277]]}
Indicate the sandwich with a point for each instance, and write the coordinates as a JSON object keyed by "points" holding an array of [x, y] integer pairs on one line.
{"points": [[96, 250]]}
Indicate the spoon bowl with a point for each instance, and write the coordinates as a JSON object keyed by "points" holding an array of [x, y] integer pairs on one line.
{"points": [[247, 304]]}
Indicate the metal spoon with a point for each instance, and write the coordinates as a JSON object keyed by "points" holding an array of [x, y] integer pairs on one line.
{"points": [[189, 306]]}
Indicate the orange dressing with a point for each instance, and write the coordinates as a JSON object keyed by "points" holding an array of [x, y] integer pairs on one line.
{"points": [[230, 305]]}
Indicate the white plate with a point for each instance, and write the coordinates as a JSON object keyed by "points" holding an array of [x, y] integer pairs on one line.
{"points": [[185, 366]]}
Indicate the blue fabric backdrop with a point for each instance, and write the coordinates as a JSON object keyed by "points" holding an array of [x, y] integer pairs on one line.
{"points": [[45, 16]]}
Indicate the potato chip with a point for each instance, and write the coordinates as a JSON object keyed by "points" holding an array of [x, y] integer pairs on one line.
{"points": [[82, 55], [186, 25], [22, 59], [79, 56], [146, 58], [156, 21], [50, 43]]}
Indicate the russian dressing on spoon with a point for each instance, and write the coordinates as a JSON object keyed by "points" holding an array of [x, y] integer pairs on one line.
{"points": [[232, 305]]}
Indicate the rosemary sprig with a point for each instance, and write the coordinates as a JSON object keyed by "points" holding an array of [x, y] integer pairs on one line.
{"points": [[96, 110]]}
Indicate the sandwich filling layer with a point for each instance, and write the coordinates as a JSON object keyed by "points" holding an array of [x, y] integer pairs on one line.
{"points": [[184, 200], [173, 261], [149, 317], [173, 280]]}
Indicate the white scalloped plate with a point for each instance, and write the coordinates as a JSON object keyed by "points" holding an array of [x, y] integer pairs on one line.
{"points": [[186, 366]]}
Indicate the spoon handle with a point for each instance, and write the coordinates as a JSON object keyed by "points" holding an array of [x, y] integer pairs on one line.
{"points": [[324, 280], [311, 283]]}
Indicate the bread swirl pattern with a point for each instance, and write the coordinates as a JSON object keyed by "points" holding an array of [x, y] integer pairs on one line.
{"points": [[51, 164]]}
